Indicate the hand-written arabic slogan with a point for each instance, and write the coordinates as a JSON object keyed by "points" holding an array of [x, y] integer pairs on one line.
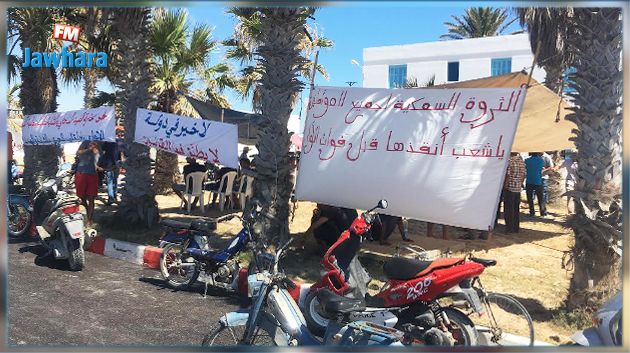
{"points": [[457, 140], [201, 139], [72, 126]]}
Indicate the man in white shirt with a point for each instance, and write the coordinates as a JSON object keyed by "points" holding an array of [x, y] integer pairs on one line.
{"points": [[545, 175]]}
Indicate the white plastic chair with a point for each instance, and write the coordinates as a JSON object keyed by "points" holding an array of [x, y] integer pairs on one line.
{"points": [[228, 181], [194, 188], [245, 190]]}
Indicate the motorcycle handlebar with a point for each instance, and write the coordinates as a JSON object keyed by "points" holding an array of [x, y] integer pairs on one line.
{"points": [[228, 217]]}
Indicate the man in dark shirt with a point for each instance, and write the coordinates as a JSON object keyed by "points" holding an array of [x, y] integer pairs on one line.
{"points": [[110, 162], [86, 177], [534, 182], [179, 189], [329, 222]]}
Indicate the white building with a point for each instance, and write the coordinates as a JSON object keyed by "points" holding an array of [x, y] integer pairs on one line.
{"points": [[449, 61]]}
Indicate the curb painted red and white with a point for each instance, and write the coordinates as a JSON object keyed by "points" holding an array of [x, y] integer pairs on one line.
{"points": [[149, 257]]}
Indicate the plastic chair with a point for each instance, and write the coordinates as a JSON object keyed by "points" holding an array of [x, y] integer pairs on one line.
{"points": [[225, 189], [245, 190], [194, 188]]}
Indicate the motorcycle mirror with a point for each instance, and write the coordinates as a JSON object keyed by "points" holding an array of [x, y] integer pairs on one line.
{"points": [[65, 166], [382, 204]]}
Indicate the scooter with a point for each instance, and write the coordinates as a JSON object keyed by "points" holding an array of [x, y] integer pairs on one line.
{"points": [[409, 299], [607, 326], [59, 219], [275, 318]]}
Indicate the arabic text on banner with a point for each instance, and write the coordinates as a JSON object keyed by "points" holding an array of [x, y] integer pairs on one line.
{"points": [[436, 155], [73, 126], [201, 139]]}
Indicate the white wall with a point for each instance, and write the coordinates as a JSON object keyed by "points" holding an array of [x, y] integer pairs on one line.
{"points": [[426, 59]]}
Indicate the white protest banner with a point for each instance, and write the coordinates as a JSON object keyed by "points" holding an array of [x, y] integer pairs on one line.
{"points": [[201, 139], [96, 124], [437, 155]]}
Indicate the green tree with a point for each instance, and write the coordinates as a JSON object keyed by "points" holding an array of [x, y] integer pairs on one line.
{"points": [[477, 22], [32, 27], [132, 76], [548, 29], [181, 56], [593, 37]]}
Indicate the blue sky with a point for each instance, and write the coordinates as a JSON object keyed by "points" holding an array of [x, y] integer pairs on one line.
{"points": [[351, 26]]}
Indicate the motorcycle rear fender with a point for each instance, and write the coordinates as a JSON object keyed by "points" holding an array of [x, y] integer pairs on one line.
{"points": [[234, 318], [587, 338]]}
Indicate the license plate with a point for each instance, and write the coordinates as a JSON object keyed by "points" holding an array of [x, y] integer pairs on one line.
{"points": [[75, 228]]}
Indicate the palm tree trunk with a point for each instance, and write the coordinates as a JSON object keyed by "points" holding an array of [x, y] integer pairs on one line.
{"points": [[598, 222], [38, 94], [133, 60], [166, 163], [89, 88], [281, 59]]}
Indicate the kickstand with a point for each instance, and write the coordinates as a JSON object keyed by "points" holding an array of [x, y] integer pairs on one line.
{"points": [[205, 291]]}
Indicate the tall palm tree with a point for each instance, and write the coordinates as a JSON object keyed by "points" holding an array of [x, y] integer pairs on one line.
{"points": [[248, 37], [95, 37], [38, 92], [180, 55], [132, 76], [477, 22], [594, 38], [548, 28], [279, 56]]}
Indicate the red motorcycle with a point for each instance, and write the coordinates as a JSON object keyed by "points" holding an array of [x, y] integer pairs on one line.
{"points": [[409, 299]]}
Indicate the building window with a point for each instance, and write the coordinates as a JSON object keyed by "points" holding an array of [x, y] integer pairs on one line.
{"points": [[397, 76], [453, 71], [501, 66]]}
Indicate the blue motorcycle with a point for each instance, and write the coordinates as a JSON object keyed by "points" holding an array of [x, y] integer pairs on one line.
{"points": [[19, 212], [186, 254]]}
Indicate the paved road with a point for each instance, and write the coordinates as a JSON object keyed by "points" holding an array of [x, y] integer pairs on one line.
{"points": [[110, 302]]}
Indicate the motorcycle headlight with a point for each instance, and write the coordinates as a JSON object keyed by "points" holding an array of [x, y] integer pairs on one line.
{"points": [[257, 228]]}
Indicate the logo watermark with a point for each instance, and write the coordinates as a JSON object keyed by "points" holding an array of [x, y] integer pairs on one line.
{"points": [[65, 58]]}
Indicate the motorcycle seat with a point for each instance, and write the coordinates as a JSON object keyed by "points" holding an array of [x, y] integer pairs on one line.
{"points": [[332, 303], [403, 268], [484, 262], [199, 225]]}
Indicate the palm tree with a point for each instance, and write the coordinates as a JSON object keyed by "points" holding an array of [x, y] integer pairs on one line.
{"points": [[594, 38], [179, 53], [132, 76], [548, 28], [479, 22], [38, 92], [279, 57], [95, 37], [248, 37]]}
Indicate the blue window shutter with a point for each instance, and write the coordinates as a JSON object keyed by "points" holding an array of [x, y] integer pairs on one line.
{"points": [[501, 66], [453, 71], [397, 76]]}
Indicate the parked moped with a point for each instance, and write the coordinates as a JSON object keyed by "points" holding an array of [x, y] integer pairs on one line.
{"points": [[607, 326]]}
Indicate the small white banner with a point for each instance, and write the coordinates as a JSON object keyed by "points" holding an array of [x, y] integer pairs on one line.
{"points": [[201, 139], [96, 124], [437, 155]]}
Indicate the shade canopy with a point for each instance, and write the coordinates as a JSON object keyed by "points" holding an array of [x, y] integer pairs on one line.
{"points": [[245, 121], [542, 126]]}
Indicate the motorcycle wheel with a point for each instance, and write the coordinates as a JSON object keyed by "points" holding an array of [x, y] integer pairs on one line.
{"points": [[76, 261], [19, 220], [232, 336], [174, 274], [461, 328], [315, 321]]}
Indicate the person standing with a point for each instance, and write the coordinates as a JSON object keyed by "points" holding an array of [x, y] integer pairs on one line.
{"points": [[548, 167], [568, 169], [513, 183], [86, 177], [534, 183], [110, 162]]}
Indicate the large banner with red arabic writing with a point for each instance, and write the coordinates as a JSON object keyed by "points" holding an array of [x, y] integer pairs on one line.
{"points": [[201, 139], [437, 155], [96, 124]]}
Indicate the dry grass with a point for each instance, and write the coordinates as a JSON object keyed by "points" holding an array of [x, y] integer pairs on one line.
{"points": [[528, 264]]}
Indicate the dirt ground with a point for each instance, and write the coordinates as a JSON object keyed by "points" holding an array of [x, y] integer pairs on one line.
{"points": [[529, 264]]}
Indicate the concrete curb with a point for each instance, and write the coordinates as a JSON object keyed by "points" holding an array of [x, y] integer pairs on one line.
{"points": [[148, 256]]}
